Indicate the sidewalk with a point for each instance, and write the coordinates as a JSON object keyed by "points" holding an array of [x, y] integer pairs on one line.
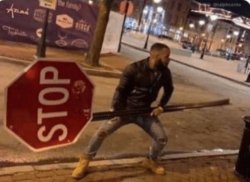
{"points": [[202, 169], [216, 66]]}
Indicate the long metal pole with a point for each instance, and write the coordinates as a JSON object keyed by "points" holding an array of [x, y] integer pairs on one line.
{"points": [[171, 108]]}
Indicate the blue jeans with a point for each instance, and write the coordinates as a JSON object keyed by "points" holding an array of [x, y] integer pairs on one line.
{"points": [[150, 124]]}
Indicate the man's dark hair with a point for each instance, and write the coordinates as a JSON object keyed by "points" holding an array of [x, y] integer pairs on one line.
{"points": [[158, 47]]}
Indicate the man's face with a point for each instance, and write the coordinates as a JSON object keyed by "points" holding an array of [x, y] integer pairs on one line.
{"points": [[163, 57]]}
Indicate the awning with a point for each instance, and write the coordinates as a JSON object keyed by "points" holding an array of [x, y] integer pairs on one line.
{"points": [[222, 14], [240, 7]]}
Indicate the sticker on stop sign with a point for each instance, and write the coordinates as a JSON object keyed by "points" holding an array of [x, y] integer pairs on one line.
{"points": [[49, 105]]}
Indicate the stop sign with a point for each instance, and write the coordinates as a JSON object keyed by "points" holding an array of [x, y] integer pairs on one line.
{"points": [[123, 7], [49, 104]]}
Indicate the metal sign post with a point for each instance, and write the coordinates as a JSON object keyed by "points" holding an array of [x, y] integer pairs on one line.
{"points": [[126, 7], [41, 47]]}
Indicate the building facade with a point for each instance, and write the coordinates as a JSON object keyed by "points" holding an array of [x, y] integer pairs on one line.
{"points": [[177, 21], [177, 12]]}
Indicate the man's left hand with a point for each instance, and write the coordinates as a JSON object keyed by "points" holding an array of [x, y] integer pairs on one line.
{"points": [[157, 111]]}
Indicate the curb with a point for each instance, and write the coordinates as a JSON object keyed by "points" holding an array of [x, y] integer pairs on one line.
{"points": [[114, 163], [103, 73], [137, 48], [94, 72], [14, 60]]}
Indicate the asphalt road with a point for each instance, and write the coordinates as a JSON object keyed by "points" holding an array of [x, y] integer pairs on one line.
{"points": [[210, 128]]}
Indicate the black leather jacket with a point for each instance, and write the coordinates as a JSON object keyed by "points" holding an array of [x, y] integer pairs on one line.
{"points": [[139, 86]]}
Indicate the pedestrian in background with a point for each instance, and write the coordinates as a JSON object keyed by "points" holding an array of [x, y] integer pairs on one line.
{"points": [[138, 88]]}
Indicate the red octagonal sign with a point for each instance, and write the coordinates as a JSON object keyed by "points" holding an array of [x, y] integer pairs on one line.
{"points": [[49, 105]]}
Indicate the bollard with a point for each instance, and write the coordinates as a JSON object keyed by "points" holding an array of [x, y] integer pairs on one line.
{"points": [[242, 166]]}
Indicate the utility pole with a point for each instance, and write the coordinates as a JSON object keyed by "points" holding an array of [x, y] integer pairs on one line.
{"points": [[212, 18]]}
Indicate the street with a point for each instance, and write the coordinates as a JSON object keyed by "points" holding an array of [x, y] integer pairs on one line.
{"points": [[200, 129]]}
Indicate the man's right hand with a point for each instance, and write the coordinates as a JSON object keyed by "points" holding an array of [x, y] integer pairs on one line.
{"points": [[157, 111]]}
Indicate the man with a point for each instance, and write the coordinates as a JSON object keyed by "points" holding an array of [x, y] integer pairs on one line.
{"points": [[138, 88]]}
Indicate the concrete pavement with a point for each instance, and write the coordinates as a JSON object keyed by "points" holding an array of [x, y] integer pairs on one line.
{"points": [[190, 169], [216, 66]]}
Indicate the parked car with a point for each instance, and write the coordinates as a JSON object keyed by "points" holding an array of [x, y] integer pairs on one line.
{"points": [[165, 36], [236, 56], [187, 45], [221, 52]]}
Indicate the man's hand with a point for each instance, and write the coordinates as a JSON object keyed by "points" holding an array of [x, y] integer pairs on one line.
{"points": [[157, 111]]}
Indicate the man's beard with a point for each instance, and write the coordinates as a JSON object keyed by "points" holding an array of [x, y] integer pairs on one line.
{"points": [[161, 64]]}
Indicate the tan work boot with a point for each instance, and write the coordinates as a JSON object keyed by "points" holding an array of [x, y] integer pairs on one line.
{"points": [[81, 167], [153, 166]]}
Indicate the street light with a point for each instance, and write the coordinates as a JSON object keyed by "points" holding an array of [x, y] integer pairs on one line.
{"points": [[153, 20], [159, 9], [199, 31], [212, 19], [236, 33], [228, 36], [191, 25], [222, 43], [157, 1], [90, 2], [201, 22]]}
